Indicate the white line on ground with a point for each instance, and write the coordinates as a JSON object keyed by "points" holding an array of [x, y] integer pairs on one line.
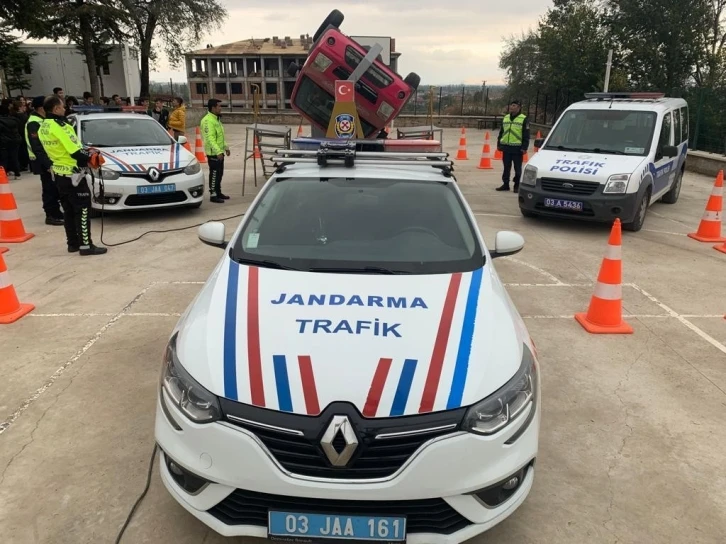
{"points": [[669, 219], [497, 215], [665, 232], [554, 279], [5, 425], [715, 343], [548, 285]]}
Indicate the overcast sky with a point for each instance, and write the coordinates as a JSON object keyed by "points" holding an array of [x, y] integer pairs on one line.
{"points": [[443, 41]]}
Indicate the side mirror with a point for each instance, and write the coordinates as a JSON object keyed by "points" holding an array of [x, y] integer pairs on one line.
{"points": [[212, 234], [538, 143], [670, 151], [507, 243], [182, 140]]}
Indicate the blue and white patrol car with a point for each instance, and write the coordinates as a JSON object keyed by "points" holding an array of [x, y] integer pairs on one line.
{"points": [[145, 168], [353, 368], [612, 155]]}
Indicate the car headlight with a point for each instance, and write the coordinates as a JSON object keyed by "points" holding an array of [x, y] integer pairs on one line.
{"points": [[501, 408], [529, 177], [193, 168], [184, 392], [617, 183], [322, 62], [107, 174]]}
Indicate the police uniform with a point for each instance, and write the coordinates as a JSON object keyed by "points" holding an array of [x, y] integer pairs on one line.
{"points": [[215, 144], [513, 142], [64, 150], [40, 166]]}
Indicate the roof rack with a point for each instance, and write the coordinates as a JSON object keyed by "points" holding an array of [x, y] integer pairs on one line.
{"points": [[107, 109], [348, 153]]}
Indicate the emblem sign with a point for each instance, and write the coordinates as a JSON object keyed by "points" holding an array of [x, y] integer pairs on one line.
{"points": [[339, 425], [154, 174], [344, 125]]}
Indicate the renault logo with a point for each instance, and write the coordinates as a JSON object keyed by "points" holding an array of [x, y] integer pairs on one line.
{"points": [[339, 427], [154, 174], [568, 185]]}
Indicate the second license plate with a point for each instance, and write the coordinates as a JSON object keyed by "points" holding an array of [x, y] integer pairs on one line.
{"points": [[563, 204]]}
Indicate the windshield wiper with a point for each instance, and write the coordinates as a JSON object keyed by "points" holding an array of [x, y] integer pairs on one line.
{"points": [[363, 269], [266, 264], [563, 148], [603, 151]]}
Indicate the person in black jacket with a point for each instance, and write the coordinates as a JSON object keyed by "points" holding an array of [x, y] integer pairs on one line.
{"points": [[9, 140], [19, 111], [160, 113], [40, 164]]}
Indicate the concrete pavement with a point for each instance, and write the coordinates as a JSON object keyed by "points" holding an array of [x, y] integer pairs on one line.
{"points": [[632, 434]]}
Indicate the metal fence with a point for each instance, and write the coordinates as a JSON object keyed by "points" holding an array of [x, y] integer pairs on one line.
{"points": [[475, 100]]}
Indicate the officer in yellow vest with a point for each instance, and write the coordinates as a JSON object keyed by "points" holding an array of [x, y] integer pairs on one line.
{"points": [[513, 142], [69, 160]]}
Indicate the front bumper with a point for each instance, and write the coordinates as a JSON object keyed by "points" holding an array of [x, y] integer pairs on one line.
{"points": [[434, 489], [123, 193], [596, 207]]}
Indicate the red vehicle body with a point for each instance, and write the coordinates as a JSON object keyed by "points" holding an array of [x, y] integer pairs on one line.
{"points": [[380, 93]]}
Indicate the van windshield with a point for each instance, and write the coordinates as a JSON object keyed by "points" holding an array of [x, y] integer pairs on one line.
{"points": [[618, 132]]}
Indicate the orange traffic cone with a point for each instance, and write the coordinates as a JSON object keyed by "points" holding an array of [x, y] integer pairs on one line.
{"points": [[525, 158], [462, 154], [498, 156], [300, 130], [12, 230], [485, 163], [256, 154], [199, 148], [605, 314], [10, 307], [710, 228], [3, 250]]}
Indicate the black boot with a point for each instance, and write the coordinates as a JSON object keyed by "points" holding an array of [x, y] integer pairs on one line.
{"points": [[93, 250], [516, 188], [73, 249], [504, 187], [216, 199], [223, 196], [53, 221]]}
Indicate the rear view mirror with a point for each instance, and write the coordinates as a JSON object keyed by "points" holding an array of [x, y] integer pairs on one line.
{"points": [[182, 140], [212, 234], [670, 151], [507, 243], [538, 143]]}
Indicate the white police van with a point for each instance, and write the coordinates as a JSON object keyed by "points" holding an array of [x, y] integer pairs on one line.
{"points": [[353, 368], [609, 156]]}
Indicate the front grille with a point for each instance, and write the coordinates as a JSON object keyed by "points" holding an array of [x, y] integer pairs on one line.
{"points": [[160, 198], [583, 188], [422, 516], [145, 176], [373, 458]]}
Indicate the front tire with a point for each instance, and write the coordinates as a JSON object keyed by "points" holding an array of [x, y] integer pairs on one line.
{"points": [[334, 19], [639, 220], [671, 197]]}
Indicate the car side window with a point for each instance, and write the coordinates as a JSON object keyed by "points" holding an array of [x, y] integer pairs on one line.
{"points": [[665, 135], [684, 123], [677, 136]]}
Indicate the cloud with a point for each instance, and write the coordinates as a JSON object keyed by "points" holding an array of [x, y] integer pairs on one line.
{"points": [[444, 42]]}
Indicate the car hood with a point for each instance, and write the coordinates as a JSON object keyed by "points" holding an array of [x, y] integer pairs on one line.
{"points": [[140, 159], [390, 345], [583, 166]]}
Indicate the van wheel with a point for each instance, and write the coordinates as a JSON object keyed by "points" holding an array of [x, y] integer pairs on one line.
{"points": [[671, 197], [334, 19], [637, 223], [413, 80]]}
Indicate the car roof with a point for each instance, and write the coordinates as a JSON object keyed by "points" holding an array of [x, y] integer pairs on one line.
{"points": [[639, 104], [121, 115]]}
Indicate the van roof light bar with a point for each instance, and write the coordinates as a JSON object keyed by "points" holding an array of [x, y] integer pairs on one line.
{"points": [[627, 95]]}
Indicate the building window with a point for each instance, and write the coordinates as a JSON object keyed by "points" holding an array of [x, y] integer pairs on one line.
{"points": [[202, 88], [236, 88], [106, 69], [220, 88], [271, 88]]}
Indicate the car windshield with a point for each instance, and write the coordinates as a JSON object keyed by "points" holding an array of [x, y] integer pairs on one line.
{"points": [[378, 226], [318, 104], [132, 130], [620, 132]]}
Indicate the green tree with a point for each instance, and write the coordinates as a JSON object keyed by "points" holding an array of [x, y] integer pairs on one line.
{"points": [[711, 69], [14, 62], [659, 42], [179, 24]]}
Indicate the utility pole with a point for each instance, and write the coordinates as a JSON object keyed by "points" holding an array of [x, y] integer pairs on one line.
{"points": [[607, 70]]}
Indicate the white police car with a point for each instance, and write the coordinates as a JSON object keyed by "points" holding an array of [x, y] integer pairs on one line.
{"points": [[353, 368], [609, 156], [145, 168]]}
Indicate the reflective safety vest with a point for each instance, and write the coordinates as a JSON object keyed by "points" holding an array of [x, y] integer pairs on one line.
{"points": [[212, 132], [33, 118], [60, 142], [513, 130]]}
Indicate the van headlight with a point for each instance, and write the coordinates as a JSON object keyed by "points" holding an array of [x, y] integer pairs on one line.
{"points": [[195, 402], [322, 62], [498, 410], [529, 177], [617, 183], [193, 168]]}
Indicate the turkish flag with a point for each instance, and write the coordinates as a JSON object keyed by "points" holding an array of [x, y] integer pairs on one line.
{"points": [[344, 91]]}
